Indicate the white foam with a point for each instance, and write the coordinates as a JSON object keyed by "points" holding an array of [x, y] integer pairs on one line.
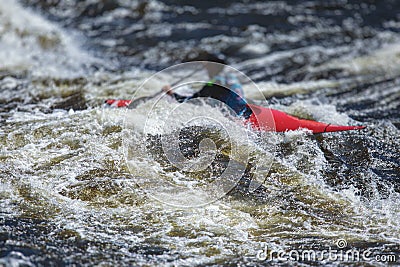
{"points": [[382, 61], [270, 89], [28, 42]]}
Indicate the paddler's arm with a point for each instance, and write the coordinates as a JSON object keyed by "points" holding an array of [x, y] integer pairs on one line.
{"points": [[180, 98]]}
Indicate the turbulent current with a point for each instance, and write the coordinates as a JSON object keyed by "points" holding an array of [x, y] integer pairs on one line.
{"points": [[82, 184]]}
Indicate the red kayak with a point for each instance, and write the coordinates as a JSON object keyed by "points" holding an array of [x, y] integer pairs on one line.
{"points": [[267, 119]]}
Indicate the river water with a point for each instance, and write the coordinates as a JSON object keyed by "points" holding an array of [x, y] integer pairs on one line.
{"points": [[69, 196]]}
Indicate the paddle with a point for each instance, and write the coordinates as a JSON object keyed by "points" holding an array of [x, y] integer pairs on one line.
{"points": [[143, 99]]}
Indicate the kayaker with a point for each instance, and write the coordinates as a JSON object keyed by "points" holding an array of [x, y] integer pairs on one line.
{"points": [[225, 88]]}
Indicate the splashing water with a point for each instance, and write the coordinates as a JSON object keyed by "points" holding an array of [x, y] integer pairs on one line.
{"points": [[67, 195]]}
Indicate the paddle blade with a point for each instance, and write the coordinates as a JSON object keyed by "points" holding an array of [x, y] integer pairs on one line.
{"points": [[118, 103]]}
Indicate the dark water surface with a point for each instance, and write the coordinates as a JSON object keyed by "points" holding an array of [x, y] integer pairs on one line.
{"points": [[69, 197]]}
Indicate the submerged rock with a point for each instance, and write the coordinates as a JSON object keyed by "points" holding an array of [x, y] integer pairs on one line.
{"points": [[76, 101]]}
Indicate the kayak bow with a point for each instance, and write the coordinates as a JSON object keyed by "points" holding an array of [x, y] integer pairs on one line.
{"points": [[267, 119]]}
